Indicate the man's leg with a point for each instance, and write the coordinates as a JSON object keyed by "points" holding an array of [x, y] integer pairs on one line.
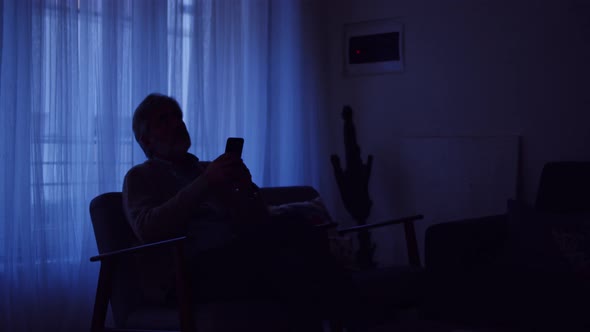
{"points": [[303, 272], [288, 261]]}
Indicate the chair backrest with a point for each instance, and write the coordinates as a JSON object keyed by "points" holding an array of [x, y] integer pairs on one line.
{"points": [[564, 187], [111, 229], [112, 232]]}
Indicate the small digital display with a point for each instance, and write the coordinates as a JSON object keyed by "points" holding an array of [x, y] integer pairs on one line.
{"points": [[374, 48]]}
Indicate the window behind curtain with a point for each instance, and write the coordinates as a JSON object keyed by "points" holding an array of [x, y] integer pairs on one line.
{"points": [[64, 147]]}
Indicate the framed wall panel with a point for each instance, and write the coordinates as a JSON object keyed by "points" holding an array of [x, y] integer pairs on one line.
{"points": [[373, 47]]}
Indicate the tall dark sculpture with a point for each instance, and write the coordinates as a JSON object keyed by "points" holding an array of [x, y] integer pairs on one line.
{"points": [[353, 183]]}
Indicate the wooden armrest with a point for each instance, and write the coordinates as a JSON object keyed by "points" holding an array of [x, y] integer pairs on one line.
{"points": [[381, 224], [327, 225], [142, 247]]}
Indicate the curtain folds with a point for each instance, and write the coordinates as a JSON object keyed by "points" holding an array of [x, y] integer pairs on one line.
{"points": [[71, 74]]}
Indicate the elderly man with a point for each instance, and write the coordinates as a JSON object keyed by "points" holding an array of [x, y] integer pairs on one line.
{"points": [[234, 248]]}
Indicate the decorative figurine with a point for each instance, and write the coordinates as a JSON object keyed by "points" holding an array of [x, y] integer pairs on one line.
{"points": [[353, 184]]}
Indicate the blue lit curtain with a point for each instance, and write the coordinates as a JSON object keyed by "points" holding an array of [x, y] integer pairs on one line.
{"points": [[71, 73]]}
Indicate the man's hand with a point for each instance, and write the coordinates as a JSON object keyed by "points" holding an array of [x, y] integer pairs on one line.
{"points": [[225, 172], [231, 183]]}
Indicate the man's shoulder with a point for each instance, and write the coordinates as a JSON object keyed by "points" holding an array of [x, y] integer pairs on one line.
{"points": [[144, 169]]}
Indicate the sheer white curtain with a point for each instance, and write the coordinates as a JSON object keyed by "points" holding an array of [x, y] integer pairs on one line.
{"points": [[71, 73]]}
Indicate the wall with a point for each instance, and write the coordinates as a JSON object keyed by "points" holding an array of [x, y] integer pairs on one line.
{"points": [[472, 68]]}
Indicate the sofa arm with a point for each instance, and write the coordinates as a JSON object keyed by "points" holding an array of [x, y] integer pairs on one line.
{"points": [[465, 244]]}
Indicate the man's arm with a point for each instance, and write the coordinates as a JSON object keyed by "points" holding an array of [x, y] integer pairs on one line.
{"points": [[154, 220]]}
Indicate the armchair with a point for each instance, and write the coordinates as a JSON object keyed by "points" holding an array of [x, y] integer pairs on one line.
{"points": [[476, 277], [116, 287]]}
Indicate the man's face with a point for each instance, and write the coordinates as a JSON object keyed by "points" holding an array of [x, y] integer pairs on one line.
{"points": [[167, 136]]}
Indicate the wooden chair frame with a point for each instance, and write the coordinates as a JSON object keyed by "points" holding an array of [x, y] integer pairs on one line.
{"points": [[108, 262]]}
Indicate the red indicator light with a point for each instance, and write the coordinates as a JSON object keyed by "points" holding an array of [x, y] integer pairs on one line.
{"points": [[358, 51]]}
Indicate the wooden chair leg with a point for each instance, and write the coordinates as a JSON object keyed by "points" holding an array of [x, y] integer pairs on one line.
{"points": [[183, 291], [412, 244], [101, 301]]}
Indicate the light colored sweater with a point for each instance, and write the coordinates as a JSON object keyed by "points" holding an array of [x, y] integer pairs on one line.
{"points": [[163, 200]]}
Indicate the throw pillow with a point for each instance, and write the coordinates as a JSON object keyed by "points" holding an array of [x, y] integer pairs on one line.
{"points": [[313, 211]]}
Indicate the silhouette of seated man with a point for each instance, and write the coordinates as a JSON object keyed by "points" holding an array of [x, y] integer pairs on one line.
{"points": [[235, 248]]}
